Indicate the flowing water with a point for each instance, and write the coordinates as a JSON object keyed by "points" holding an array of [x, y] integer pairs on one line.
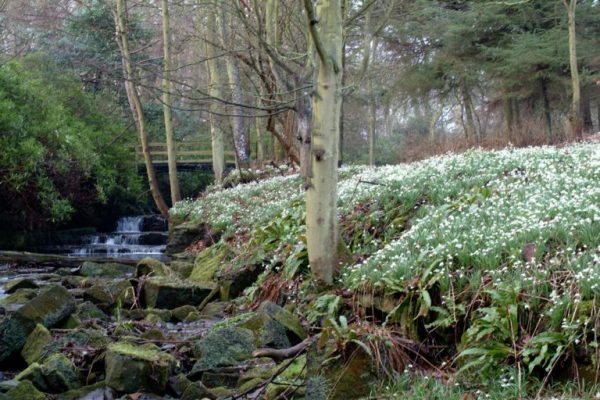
{"points": [[130, 240]]}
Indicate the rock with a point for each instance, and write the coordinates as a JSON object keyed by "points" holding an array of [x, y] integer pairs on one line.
{"points": [[215, 379], [215, 309], [139, 314], [48, 308], [195, 391], [35, 375], [153, 239], [21, 296], [76, 281], [207, 263], [17, 284], [182, 235], [151, 266], [60, 373], [274, 327], [131, 368], [223, 347], [234, 279], [170, 293], [72, 322], [92, 338], [97, 391], [182, 268], [106, 270], [291, 377], [180, 313], [108, 294], [34, 346], [88, 310], [25, 391], [154, 223]]}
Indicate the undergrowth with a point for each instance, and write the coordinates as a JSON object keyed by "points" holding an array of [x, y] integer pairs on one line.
{"points": [[485, 261]]}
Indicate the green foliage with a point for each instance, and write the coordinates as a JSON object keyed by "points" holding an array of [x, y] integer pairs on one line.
{"points": [[61, 155]]}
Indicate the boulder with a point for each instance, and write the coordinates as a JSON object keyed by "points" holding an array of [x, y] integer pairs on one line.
{"points": [[213, 379], [17, 284], [207, 263], [131, 368], [223, 347], [25, 391], [154, 223], [274, 327], [180, 313], [215, 309], [34, 346], [234, 279], [139, 314], [92, 338], [97, 391], [196, 391], [170, 293], [56, 375], [182, 268], [182, 235], [49, 308], [151, 266], [153, 239], [106, 295], [106, 270], [88, 310], [21, 296]]}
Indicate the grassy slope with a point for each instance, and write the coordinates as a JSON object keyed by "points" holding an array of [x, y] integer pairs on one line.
{"points": [[493, 254]]}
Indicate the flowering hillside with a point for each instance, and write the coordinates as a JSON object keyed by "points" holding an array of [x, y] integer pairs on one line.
{"points": [[495, 254]]}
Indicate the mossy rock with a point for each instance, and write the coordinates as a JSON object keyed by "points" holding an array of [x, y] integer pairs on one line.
{"points": [[88, 310], [140, 314], [35, 375], [180, 313], [21, 296], [76, 281], [94, 338], [49, 308], [98, 390], [196, 391], [222, 392], [16, 284], [170, 293], [107, 295], [223, 348], [215, 309], [34, 346], [182, 268], [212, 379], [151, 266], [60, 373], [131, 368], [234, 279], [25, 391], [106, 270], [284, 317], [293, 376], [207, 263]]}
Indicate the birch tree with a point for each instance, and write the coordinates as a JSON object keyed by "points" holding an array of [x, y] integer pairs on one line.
{"points": [[135, 103], [325, 25], [166, 99], [575, 117]]}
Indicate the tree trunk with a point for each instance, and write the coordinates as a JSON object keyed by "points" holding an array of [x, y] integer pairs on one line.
{"points": [[586, 111], [471, 128], [547, 113], [508, 118], [575, 117], [321, 196], [166, 87], [214, 75], [135, 103], [240, 138], [372, 124]]}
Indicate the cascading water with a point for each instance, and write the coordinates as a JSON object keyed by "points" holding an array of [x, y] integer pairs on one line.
{"points": [[129, 240]]}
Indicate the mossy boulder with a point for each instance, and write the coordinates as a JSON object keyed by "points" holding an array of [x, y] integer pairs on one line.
{"points": [[21, 296], [131, 368], [34, 346], [207, 263], [16, 284], [215, 309], [151, 266], [212, 379], [182, 235], [107, 295], [293, 376], [223, 348], [88, 310], [139, 314], [93, 338], [97, 391], [170, 292], [274, 326], [106, 270], [25, 391], [182, 268], [197, 391], [180, 313], [49, 308], [56, 375], [233, 279]]}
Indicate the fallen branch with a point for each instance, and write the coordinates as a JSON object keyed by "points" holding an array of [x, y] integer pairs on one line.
{"points": [[282, 354]]}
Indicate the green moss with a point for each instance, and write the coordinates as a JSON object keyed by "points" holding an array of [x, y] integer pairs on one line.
{"points": [[37, 340], [106, 270], [25, 391], [146, 352], [208, 262], [79, 393], [21, 296], [182, 268], [151, 266], [223, 348]]}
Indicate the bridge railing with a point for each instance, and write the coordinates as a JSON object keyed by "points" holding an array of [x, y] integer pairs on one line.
{"points": [[187, 153]]}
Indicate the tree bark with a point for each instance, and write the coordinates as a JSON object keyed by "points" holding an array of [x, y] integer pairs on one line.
{"points": [[547, 113], [215, 84], [321, 196], [575, 117], [240, 138], [166, 88], [135, 103]]}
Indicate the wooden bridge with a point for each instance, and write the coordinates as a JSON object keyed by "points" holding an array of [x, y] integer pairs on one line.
{"points": [[191, 155]]}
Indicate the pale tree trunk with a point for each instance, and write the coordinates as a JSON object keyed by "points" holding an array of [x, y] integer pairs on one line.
{"points": [[166, 87], [321, 196], [260, 145], [575, 117], [215, 82], [372, 124], [240, 139], [135, 103]]}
